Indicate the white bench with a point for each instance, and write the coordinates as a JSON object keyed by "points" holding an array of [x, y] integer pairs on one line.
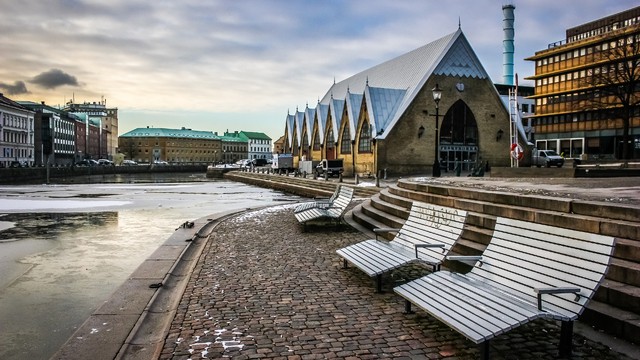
{"points": [[319, 203], [527, 271], [333, 212], [427, 235]]}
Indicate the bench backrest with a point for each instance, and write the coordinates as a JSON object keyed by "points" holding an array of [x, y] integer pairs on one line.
{"points": [[431, 224], [523, 255], [339, 205]]}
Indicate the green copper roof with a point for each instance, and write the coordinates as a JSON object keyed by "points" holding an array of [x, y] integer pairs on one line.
{"points": [[254, 135], [171, 133]]}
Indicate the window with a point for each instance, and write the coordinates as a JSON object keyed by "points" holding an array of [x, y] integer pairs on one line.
{"points": [[364, 145], [316, 141], [345, 146]]}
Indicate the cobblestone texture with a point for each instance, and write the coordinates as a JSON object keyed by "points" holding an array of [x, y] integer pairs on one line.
{"points": [[264, 289]]}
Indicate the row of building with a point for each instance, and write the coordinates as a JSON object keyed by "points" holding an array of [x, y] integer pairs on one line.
{"points": [[33, 133], [436, 104]]}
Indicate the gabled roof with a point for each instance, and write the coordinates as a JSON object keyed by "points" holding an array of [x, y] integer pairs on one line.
{"points": [[5, 101], [450, 55], [382, 105], [353, 103], [322, 111], [309, 115], [336, 107], [172, 133], [289, 128], [254, 135], [299, 120]]}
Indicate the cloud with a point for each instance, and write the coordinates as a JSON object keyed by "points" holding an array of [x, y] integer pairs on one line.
{"points": [[17, 88], [53, 78]]}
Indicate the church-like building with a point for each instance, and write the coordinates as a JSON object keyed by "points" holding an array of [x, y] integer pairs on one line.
{"points": [[384, 118]]}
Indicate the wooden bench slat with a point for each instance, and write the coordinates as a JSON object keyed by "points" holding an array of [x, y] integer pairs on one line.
{"points": [[334, 211], [426, 224]]}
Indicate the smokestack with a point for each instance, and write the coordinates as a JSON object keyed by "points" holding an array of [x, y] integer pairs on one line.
{"points": [[507, 44]]}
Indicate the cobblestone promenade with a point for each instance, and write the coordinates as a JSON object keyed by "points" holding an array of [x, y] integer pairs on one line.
{"points": [[264, 289]]}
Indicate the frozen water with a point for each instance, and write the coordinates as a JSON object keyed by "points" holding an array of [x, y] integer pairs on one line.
{"points": [[65, 248]]}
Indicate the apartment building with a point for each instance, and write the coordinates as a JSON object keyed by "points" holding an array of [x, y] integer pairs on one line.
{"points": [[587, 90]]}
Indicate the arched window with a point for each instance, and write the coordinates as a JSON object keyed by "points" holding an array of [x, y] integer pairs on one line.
{"points": [[364, 145], [345, 145]]}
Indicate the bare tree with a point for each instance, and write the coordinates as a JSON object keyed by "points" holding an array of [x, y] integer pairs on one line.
{"points": [[614, 85]]}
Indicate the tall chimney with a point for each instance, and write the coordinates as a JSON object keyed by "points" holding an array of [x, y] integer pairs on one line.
{"points": [[507, 44]]}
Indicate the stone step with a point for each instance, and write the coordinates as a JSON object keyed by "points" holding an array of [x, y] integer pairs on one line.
{"points": [[627, 249], [477, 234], [620, 295], [387, 196], [614, 321], [396, 210], [381, 217], [365, 221], [627, 272]]}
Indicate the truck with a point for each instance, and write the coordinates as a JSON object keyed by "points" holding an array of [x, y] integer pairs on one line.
{"points": [[282, 162], [547, 158], [330, 167]]}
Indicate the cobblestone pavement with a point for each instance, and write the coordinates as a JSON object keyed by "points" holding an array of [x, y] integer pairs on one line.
{"points": [[265, 289]]}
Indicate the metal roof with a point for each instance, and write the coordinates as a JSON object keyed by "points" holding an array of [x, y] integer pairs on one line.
{"points": [[322, 111], [172, 133], [382, 105]]}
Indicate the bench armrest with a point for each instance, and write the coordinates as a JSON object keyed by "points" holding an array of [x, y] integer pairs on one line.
{"points": [[417, 246], [466, 259], [556, 290], [384, 230]]}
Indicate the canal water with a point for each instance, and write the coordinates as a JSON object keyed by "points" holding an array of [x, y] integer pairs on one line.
{"points": [[64, 248]]}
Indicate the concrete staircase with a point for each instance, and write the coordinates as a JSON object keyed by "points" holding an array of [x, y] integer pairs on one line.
{"points": [[615, 308], [299, 185]]}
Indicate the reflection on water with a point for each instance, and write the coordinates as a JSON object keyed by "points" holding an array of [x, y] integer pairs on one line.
{"points": [[58, 267]]}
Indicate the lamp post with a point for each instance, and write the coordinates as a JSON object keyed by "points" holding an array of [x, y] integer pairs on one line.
{"points": [[437, 95]]}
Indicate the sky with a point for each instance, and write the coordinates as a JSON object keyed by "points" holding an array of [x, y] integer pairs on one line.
{"points": [[218, 65]]}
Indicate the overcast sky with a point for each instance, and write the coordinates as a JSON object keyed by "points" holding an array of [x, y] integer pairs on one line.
{"points": [[215, 65]]}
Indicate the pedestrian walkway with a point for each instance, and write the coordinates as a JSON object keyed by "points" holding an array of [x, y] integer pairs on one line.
{"points": [[263, 288]]}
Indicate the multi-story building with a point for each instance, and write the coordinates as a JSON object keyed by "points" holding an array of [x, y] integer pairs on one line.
{"points": [[259, 144], [234, 147], [55, 134], [580, 84], [176, 146], [16, 133], [106, 120]]}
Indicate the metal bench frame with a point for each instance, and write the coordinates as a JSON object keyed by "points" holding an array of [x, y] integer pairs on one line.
{"points": [[426, 236], [528, 271], [319, 203], [332, 212]]}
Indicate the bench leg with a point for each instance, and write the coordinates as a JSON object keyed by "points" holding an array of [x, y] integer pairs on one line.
{"points": [[378, 283], [566, 338], [484, 350], [345, 264], [407, 307]]}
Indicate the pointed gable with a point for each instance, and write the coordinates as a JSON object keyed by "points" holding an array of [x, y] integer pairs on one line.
{"points": [[309, 116], [299, 121], [353, 102], [461, 61], [322, 112], [336, 107], [290, 125], [382, 105], [450, 55]]}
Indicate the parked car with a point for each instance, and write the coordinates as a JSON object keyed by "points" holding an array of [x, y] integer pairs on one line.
{"points": [[105, 162], [87, 162], [160, 162], [547, 158], [129, 163], [259, 162], [244, 163], [18, 164]]}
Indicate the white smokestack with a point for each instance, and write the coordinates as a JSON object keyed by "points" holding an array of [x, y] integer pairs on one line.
{"points": [[507, 44]]}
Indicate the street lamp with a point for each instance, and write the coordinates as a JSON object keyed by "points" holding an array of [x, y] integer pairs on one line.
{"points": [[437, 95]]}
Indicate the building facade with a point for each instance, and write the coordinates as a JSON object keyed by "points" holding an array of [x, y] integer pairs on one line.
{"points": [[17, 134], [258, 145], [107, 121], [587, 90], [234, 147], [176, 146], [55, 135]]}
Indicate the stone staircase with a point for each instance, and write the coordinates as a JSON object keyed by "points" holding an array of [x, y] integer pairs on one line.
{"points": [[614, 309], [299, 185]]}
